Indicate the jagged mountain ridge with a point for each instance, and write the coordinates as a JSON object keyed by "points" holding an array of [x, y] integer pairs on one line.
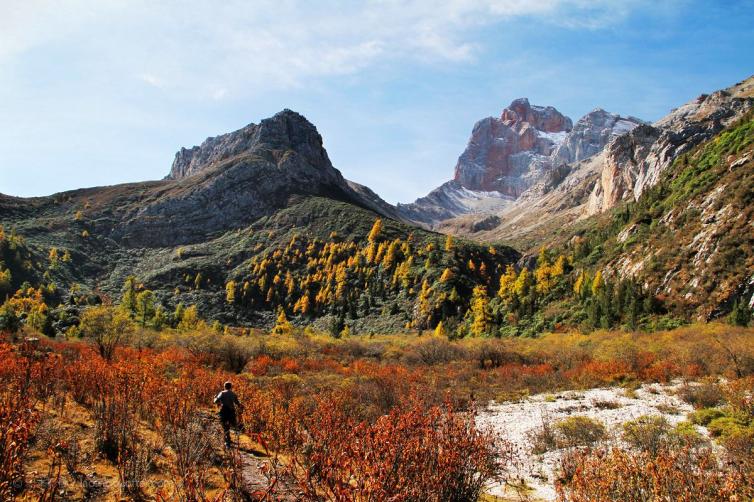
{"points": [[507, 156], [636, 161], [625, 167], [694, 251], [502, 152], [228, 182], [275, 179]]}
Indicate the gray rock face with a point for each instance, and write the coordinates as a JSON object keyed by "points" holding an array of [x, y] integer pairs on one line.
{"points": [[287, 130], [591, 134], [501, 152], [230, 181], [622, 165], [690, 125], [450, 200], [636, 161], [524, 151]]}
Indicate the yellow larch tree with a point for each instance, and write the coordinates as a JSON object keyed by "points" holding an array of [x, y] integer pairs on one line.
{"points": [[523, 283], [449, 243], [447, 275], [479, 308], [440, 330], [507, 283], [230, 292], [597, 282], [282, 325], [374, 234]]}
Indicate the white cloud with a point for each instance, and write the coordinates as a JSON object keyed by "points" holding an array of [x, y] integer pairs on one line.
{"points": [[152, 80], [219, 49], [219, 94]]}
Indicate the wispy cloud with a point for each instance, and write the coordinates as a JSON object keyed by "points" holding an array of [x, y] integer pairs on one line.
{"points": [[152, 80], [234, 47], [393, 85]]}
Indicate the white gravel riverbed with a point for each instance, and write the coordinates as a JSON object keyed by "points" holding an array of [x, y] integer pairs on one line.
{"points": [[516, 421]]}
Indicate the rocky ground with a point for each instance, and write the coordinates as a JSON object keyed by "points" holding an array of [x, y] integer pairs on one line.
{"points": [[518, 422]]}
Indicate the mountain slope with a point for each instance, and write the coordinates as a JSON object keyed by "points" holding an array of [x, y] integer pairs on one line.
{"points": [[237, 197], [690, 237], [628, 165]]}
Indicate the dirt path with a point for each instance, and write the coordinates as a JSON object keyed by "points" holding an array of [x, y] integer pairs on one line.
{"points": [[257, 471]]}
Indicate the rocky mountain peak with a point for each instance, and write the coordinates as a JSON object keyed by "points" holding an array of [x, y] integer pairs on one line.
{"points": [[543, 118], [502, 154], [233, 179], [638, 159], [285, 131], [524, 151]]}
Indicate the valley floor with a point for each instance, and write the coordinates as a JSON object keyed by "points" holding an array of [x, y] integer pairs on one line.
{"points": [[374, 418]]}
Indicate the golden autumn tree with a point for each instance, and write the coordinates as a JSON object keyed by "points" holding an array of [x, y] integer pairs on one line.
{"points": [[289, 283], [106, 327], [440, 330], [53, 256], [581, 286], [29, 303], [391, 255], [447, 275], [480, 314], [597, 282], [303, 305], [128, 300], [424, 304], [230, 292], [189, 319], [559, 267], [449, 243], [282, 324], [345, 332], [507, 283], [6, 282], [524, 283], [543, 272], [341, 282], [374, 234]]}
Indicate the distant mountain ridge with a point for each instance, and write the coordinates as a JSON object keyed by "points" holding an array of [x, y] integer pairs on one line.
{"points": [[506, 156], [627, 165], [616, 191]]}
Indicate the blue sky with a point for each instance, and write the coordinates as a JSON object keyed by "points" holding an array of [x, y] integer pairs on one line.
{"points": [[104, 92]]}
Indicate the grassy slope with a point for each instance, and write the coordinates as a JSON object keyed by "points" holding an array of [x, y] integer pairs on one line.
{"points": [[689, 238], [99, 263]]}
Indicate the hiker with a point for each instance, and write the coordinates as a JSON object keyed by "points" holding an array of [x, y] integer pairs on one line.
{"points": [[228, 401]]}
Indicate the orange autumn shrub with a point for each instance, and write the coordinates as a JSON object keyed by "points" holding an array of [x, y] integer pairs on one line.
{"points": [[595, 373], [289, 365], [24, 382], [418, 454], [661, 371], [682, 474], [534, 377], [17, 422], [261, 365]]}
